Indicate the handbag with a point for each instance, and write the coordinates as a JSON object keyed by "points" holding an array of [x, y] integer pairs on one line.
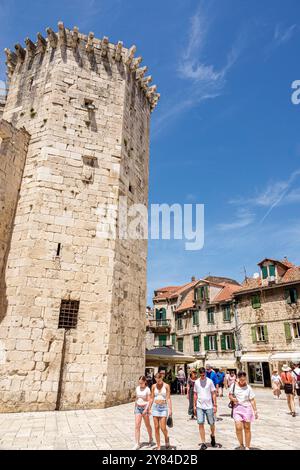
{"points": [[231, 404], [170, 423]]}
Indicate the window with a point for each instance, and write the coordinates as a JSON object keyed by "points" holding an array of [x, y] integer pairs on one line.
{"points": [[259, 333], [291, 296], [162, 340], [202, 293], [268, 271], [210, 343], [179, 322], [292, 330], [173, 339], [255, 301], [296, 329], [68, 314], [195, 317], [180, 344], [227, 342], [160, 316], [196, 343], [227, 313], [211, 316]]}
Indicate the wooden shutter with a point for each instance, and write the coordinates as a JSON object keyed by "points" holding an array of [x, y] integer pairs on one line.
{"points": [[264, 271], [272, 270], [206, 343], [255, 299], [253, 334], [266, 333], [196, 343], [163, 314], [288, 296], [287, 330], [216, 342], [162, 340], [206, 290], [173, 339], [232, 342], [223, 343], [157, 314]]}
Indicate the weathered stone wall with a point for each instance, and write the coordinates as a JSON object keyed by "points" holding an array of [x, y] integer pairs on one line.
{"points": [[13, 151], [274, 312], [89, 122]]}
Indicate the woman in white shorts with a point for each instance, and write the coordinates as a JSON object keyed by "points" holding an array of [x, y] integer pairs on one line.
{"points": [[141, 412]]}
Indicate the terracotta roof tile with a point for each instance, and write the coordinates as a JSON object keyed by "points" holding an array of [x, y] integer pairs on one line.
{"points": [[187, 303], [226, 293]]}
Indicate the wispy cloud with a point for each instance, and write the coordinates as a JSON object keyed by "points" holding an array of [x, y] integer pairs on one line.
{"points": [[275, 194], [202, 80], [283, 34], [244, 217]]}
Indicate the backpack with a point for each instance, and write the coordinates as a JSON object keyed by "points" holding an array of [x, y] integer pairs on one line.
{"points": [[297, 376]]}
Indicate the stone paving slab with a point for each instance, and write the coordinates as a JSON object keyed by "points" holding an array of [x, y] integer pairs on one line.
{"points": [[113, 428]]}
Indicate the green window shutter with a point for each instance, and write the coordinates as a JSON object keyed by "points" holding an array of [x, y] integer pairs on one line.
{"points": [[201, 293], [157, 314], [223, 343], [162, 340], [232, 342], [255, 299], [253, 334], [196, 344], [266, 332], [272, 270], [163, 314], [206, 290], [288, 296], [206, 343], [295, 295], [287, 330], [264, 271], [216, 342], [173, 339]]}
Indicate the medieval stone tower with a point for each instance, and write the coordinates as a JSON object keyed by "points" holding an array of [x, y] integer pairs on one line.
{"points": [[74, 135]]}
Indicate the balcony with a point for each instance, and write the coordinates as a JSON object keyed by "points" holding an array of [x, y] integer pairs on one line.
{"points": [[160, 325]]}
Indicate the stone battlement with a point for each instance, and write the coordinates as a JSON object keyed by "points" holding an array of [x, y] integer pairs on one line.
{"points": [[87, 48]]}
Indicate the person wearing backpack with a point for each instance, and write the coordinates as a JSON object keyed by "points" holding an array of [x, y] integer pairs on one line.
{"points": [[289, 387], [296, 375]]}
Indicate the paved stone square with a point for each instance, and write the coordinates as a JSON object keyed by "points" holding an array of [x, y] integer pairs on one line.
{"points": [[113, 428]]}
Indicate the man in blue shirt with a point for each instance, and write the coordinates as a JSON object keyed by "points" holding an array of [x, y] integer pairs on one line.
{"points": [[211, 374]]}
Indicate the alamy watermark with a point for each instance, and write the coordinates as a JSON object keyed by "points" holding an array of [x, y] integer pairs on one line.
{"points": [[296, 94], [159, 221]]}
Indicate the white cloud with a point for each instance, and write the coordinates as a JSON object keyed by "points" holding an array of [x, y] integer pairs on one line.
{"points": [[243, 219], [283, 34]]}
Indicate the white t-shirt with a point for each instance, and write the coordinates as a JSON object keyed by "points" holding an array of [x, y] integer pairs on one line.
{"points": [[296, 372], [141, 395], [242, 394], [204, 389]]}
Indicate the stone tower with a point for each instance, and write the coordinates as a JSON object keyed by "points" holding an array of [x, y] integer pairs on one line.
{"points": [[74, 136]]}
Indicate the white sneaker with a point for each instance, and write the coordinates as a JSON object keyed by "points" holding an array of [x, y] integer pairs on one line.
{"points": [[136, 447]]}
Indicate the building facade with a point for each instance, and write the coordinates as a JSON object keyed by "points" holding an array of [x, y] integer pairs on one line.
{"points": [[254, 326], [268, 320], [74, 139]]}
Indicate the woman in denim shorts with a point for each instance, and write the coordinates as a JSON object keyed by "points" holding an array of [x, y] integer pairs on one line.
{"points": [[161, 408], [141, 411]]}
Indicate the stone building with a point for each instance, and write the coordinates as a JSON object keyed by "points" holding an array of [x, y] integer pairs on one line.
{"points": [[205, 323], [165, 302], [74, 138], [268, 319]]}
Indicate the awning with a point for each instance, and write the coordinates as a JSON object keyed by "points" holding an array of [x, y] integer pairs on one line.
{"points": [[196, 364], [286, 356], [225, 363], [255, 358], [166, 355]]}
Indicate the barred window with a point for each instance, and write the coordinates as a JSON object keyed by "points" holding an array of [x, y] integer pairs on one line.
{"points": [[68, 314]]}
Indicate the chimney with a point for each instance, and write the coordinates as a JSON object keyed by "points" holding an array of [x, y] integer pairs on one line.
{"points": [[193, 278]]}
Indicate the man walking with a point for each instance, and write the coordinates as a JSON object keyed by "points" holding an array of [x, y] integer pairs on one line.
{"points": [[296, 375], [205, 404]]}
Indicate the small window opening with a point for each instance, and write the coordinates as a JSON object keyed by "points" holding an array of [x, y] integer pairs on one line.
{"points": [[68, 314], [58, 249]]}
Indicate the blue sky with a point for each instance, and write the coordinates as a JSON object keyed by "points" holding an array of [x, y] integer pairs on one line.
{"points": [[225, 133]]}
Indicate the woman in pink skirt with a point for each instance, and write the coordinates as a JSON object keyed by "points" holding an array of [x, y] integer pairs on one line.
{"points": [[244, 409]]}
